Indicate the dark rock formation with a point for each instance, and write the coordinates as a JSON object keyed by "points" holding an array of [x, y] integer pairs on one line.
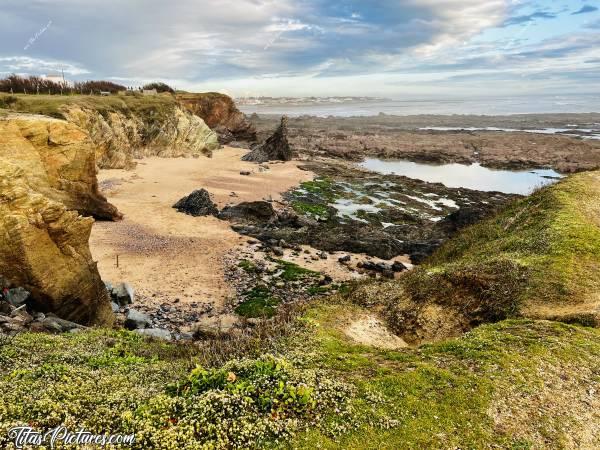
{"points": [[198, 203], [220, 113], [274, 148], [249, 211]]}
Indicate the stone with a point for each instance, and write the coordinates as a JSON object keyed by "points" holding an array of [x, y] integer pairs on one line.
{"points": [[59, 160], [323, 255], [198, 203], [115, 308], [17, 296], [56, 322], [259, 210], [136, 320], [397, 266], [245, 172], [212, 327], [6, 308], [122, 294], [344, 259], [274, 148], [277, 251], [157, 333]]}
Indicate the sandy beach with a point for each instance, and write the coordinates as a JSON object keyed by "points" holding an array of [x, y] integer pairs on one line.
{"points": [[167, 255]]}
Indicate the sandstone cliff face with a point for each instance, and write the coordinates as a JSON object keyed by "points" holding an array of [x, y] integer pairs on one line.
{"points": [[44, 248], [220, 113], [121, 136], [59, 161]]}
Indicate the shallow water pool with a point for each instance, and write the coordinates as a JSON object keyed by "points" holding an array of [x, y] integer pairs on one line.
{"points": [[472, 176]]}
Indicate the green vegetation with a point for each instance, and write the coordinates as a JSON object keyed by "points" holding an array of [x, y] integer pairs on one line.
{"points": [[247, 265], [539, 257], [155, 107], [515, 384], [293, 272], [258, 303]]}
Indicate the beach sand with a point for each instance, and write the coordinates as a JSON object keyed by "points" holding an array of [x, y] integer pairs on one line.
{"points": [[166, 255]]}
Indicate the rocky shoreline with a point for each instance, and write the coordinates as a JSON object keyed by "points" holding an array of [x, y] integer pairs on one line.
{"points": [[398, 137]]}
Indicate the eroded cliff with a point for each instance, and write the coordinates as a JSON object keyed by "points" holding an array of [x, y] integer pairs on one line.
{"points": [[220, 113], [47, 179], [121, 136]]}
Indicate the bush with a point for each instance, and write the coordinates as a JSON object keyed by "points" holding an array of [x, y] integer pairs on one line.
{"points": [[160, 87], [241, 405]]}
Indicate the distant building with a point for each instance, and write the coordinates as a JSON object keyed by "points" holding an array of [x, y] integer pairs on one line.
{"points": [[105, 93], [57, 78], [150, 92]]}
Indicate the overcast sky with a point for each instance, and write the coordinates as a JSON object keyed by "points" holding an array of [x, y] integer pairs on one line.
{"points": [[391, 48]]}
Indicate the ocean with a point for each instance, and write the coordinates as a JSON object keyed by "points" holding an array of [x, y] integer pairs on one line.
{"points": [[543, 104]]}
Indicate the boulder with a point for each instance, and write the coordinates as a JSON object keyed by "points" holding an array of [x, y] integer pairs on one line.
{"points": [[16, 296], [156, 333], [198, 203], [274, 148], [249, 211], [136, 319], [122, 294]]}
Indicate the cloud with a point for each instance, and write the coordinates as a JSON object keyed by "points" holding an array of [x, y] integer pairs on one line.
{"points": [[516, 20], [585, 10]]}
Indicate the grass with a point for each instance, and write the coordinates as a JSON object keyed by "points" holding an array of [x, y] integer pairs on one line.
{"points": [[514, 384], [258, 303], [157, 107], [293, 272]]}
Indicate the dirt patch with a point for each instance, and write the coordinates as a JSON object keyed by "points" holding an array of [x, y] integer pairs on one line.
{"points": [[369, 330]]}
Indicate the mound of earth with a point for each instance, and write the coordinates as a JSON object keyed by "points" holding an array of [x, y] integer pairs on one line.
{"points": [[538, 258]]}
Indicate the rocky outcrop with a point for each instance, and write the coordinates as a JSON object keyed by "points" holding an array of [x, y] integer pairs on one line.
{"points": [[59, 160], [44, 246], [198, 203], [127, 133], [220, 113], [274, 148]]}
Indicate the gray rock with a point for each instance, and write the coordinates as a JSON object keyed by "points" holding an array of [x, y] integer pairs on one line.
{"points": [[157, 333], [136, 320], [17, 296], [259, 210], [245, 172], [277, 251], [122, 294], [53, 322], [115, 308], [323, 255], [345, 259]]}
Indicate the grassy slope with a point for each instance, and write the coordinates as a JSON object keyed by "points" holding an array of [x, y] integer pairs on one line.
{"points": [[50, 105], [514, 384], [555, 233], [538, 258]]}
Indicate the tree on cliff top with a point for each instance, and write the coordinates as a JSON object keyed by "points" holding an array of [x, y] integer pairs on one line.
{"points": [[160, 87]]}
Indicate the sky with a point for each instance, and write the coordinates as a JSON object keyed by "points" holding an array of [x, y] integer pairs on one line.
{"points": [[384, 48]]}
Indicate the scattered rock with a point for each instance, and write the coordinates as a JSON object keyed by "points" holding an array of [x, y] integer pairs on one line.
{"points": [[344, 259], [122, 294], [157, 333], [136, 319], [323, 255], [198, 203], [245, 172], [17, 296]]}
